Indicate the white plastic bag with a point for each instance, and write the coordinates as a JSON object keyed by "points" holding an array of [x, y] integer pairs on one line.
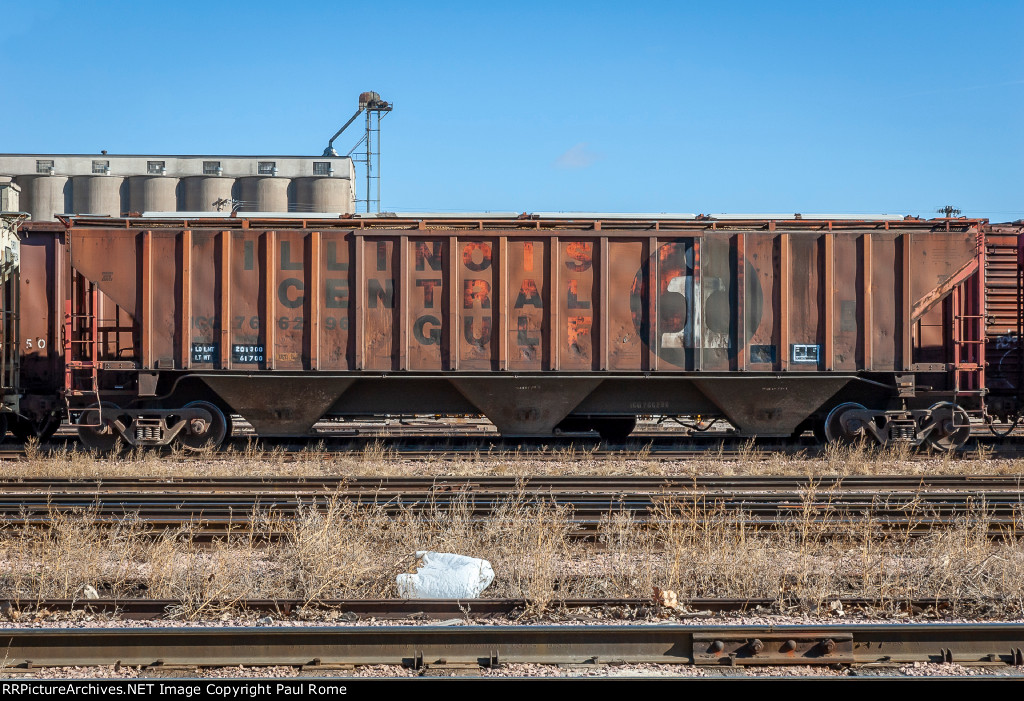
{"points": [[445, 576]]}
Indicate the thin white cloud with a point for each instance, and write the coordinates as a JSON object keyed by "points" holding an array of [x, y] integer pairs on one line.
{"points": [[579, 156]]}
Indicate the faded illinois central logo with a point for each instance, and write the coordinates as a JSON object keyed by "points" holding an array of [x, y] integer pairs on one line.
{"points": [[695, 304]]}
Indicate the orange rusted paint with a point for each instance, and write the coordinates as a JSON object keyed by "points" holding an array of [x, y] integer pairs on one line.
{"points": [[578, 331], [529, 296], [476, 294], [581, 254]]}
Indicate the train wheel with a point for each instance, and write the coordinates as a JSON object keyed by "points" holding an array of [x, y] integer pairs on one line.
{"points": [[96, 428], [574, 424], [5, 423], [205, 434], [615, 428], [49, 427], [23, 429], [842, 427], [952, 427]]}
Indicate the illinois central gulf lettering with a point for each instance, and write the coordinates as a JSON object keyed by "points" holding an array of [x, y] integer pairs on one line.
{"points": [[335, 288], [291, 290], [433, 266], [528, 297], [476, 295], [476, 292], [578, 323]]}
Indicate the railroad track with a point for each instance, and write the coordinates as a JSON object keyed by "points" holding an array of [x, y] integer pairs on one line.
{"points": [[352, 485], [445, 647], [218, 506], [353, 610], [416, 442]]}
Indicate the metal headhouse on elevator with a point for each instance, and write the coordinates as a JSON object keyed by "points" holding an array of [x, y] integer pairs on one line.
{"points": [[373, 106]]}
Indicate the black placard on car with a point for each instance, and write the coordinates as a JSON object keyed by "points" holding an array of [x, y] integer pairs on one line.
{"points": [[204, 352], [246, 354]]}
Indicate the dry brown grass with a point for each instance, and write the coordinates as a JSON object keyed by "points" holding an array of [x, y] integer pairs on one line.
{"points": [[381, 459], [694, 547]]}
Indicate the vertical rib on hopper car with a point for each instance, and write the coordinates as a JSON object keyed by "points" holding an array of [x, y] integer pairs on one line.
{"points": [[850, 327]]}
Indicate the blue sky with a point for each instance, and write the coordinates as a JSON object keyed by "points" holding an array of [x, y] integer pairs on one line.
{"points": [[873, 107]]}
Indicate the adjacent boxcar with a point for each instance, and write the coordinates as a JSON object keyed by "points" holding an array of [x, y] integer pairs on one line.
{"points": [[849, 327], [10, 265], [45, 280], [1004, 322]]}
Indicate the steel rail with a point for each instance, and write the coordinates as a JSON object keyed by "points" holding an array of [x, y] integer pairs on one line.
{"points": [[418, 453], [533, 484], [225, 512], [189, 506], [397, 609], [419, 646], [427, 442]]}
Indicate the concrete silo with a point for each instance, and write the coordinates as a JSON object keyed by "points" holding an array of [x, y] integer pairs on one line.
{"points": [[263, 194], [43, 195], [96, 194], [323, 195], [114, 184], [152, 193], [201, 193]]}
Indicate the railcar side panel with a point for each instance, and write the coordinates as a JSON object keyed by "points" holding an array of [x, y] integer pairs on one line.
{"points": [[847, 304], [764, 301], [524, 307], [719, 303], [331, 282], [622, 290], [42, 290], [200, 337]]}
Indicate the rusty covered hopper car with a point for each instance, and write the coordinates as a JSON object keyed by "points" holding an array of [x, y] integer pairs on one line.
{"points": [[849, 327]]}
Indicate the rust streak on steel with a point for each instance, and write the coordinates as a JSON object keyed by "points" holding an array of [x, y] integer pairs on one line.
{"points": [[830, 304], [147, 300], [269, 301], [313, 297], [603, 335], [357, 311], [741, 295], [867, 300], [698, 305], [553, 304], [500, 305], [224, 310], [784, 292], [906, 322], [186, 299], [403, 280], [452, 287], [650, 308]]}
